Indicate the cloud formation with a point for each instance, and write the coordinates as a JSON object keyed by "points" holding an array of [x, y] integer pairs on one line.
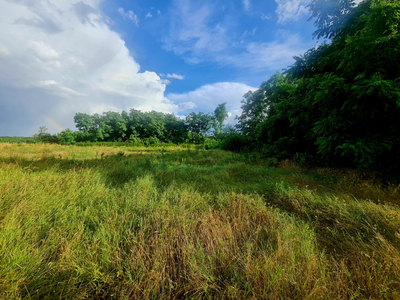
{"points": [[176, 76], [246, 5], [65, 60], [130, 15], [201, 32], [207, 97], [291, 10]]}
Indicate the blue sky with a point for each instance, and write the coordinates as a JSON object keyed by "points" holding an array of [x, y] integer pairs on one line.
{"points": [[62, 57]]}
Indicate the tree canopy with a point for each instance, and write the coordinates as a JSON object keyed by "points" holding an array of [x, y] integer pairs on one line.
{"points": [[340, 101]]}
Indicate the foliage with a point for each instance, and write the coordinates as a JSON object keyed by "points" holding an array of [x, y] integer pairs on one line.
{"points": [[19, 140], [66, 137], [211, 143], [232, 140], [219, 116], [339, 102], [331, 16], [135, 126], [46, 137], [199, 126]]}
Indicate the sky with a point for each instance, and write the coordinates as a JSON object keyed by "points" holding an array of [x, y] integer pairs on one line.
{"points": [[60, 57]]}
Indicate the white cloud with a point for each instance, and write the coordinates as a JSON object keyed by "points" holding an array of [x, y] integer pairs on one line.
{"points": [[4, 51], [273, 55], [291, 10], [176, 76], [207, 97], [194, 34], [158, 12], [265, 17], [149, 15], [70, 61], [165, 81], [42, 50], [130, 15], [197, 37], [246, 5]]}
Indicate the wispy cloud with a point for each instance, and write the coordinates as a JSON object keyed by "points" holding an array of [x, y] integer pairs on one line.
{"points": [[197, 37], [130, 15], [194, 33], [246, 5], [272, 55], [265, 17], [291, 10], [176, 76], [149, 15]]}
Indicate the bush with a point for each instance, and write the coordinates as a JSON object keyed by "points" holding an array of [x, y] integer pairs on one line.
{"points": [[151, 141], [66, 137], [211, 144], [48, 138]]}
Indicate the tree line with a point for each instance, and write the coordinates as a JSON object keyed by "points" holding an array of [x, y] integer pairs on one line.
{"points": [[337, 105], [140, 127]]}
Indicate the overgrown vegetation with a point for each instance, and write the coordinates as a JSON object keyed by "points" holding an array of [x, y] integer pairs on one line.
{"points": [[19, 140], [153, 223], [119, 211], [338, 105]]}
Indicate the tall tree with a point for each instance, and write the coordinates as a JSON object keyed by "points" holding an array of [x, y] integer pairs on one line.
{"points": [[220, 115], [199, 125], [339, 101]]}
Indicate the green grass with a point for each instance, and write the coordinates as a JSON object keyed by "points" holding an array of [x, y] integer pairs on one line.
{"points": [[18, 140], [153, 223]]}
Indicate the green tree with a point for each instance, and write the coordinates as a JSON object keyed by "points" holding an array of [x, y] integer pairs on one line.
{"points": [[338, 102], [330, 16], [220, 115], [66, 137], [199, 126]]}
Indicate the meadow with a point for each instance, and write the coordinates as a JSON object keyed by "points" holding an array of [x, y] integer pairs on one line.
{"points": [[185, 223]]}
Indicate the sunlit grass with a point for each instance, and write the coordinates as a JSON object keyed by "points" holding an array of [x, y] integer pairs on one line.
{"points": [[153, 223]]}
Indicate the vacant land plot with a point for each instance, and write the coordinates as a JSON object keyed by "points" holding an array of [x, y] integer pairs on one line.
{"points": [[155, 223]]}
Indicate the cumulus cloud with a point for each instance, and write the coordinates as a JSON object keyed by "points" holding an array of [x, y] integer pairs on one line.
{"points": [[65, 60], [291, 10], [176, 76], [130, 15], [207, 97]]}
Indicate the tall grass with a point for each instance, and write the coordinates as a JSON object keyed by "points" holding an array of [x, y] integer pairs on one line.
{"points": [[107, 223]]}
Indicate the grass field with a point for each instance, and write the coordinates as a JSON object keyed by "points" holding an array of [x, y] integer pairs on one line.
{"points": [[181, 223]]}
